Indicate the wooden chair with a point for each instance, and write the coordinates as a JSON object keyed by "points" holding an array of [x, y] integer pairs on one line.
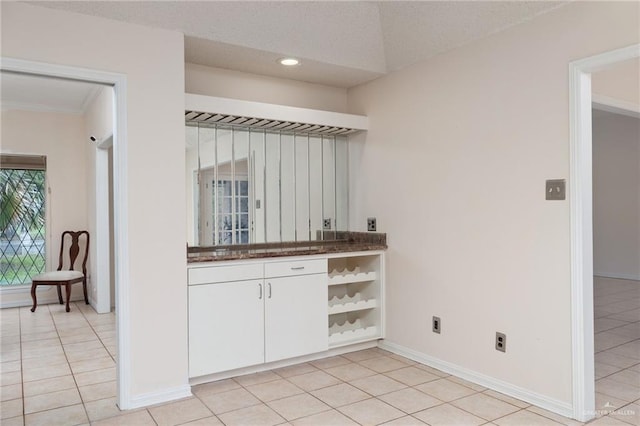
{"points": [[68, 277]]}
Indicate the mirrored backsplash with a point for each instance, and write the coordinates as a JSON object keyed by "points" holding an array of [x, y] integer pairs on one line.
{"points": [[249, 186]]}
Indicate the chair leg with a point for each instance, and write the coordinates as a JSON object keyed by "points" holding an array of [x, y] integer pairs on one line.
{"points": [[33, 297], [59, 295], [84, 288], [68, 287]]}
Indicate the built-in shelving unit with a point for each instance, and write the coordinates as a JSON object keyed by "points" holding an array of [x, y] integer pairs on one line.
{"points": [[355, 298], [351, 332], [346, 276], [348, 303]]}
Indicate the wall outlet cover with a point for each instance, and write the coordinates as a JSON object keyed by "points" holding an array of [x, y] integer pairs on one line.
{"points": [[436, 325], [501, 342], [371, 224], [326, 224]]}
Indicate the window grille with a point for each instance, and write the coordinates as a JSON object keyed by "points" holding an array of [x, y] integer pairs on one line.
{"points": [[22, 218]]}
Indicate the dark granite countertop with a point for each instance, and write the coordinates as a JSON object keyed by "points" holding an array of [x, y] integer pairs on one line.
{"points": [[334, 242]]}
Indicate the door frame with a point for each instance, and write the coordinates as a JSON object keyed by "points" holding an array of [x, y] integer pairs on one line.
{"points": [[120, 190], [102, 240], [581, 196]]}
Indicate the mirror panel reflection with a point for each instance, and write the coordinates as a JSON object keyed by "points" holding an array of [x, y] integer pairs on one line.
{"points": [[248, 186]]}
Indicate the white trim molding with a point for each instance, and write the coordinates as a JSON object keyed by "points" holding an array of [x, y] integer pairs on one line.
{"points": [[550, 404], [123, 308], [616, 106], [582, 339], [152, 398], [46, 295]]}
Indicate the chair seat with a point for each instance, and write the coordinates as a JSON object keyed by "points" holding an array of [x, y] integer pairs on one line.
{"points": [[58, 276]]}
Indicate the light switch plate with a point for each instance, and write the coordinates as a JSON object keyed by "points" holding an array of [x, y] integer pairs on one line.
{"points": [[555, 189]]}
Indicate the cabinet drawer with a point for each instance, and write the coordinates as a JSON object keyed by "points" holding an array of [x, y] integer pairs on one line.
{"points": [[220, 274], [297, 267]]}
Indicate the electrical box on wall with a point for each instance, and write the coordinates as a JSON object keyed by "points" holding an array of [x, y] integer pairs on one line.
{"points": [[555, 189]]}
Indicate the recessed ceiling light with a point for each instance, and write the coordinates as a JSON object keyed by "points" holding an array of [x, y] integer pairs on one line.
{"points": [[289, 62]]}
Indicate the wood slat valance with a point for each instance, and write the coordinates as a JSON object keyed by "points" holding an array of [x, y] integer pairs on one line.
{"points": [[23, 162]]}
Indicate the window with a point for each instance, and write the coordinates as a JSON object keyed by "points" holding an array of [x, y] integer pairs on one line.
{"points": [[226, 226], [22, 218], [225, 203]]}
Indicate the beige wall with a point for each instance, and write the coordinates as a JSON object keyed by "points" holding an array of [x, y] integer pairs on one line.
{"points": [[616, 195], [153, 62], [99, 116], [98, 122], [61, 138], [223, 83], [621, 83], [454, 168]]}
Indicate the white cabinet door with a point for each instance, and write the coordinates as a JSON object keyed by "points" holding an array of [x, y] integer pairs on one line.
{"points": [[226, 326], [295, 316]]}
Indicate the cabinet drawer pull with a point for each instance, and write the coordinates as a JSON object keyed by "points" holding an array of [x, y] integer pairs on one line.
{"points": [[269, 284], [260, 287], [297, 268]]}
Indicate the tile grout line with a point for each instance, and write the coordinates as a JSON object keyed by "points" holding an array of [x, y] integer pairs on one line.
{"points": [[72, 375], [109, 353]]}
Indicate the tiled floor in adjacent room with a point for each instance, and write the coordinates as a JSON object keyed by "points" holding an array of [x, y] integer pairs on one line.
{"points": [[77, 385], [617, 347]]}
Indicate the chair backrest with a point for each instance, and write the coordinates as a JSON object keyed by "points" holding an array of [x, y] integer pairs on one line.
{"points": [[74, 249]]}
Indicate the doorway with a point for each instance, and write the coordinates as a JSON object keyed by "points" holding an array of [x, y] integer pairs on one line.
{"points": [[616, 237], [120, 217], [581, 196]]}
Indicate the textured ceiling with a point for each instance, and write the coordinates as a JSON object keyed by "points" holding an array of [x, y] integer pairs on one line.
{"points": [[340, 43]]}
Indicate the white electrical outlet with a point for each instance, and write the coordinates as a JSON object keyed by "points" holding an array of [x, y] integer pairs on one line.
{"points": [[501, 342]]}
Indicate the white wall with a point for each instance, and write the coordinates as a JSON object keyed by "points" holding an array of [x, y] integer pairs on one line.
{"points": [[454, 167], [98, 122], [210, 81], [61, 138], [153, 62], [616, 195]]}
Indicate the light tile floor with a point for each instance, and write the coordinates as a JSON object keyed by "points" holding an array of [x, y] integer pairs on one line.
{"points": [[58, 368], [617, 347]]}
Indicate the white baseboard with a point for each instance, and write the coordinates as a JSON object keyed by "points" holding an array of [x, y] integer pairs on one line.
{"points": [[542, 401], [41, 301], [159, 397], [617, 276]]}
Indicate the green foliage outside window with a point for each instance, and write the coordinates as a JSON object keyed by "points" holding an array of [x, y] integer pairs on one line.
{"points": [[22, 225]]}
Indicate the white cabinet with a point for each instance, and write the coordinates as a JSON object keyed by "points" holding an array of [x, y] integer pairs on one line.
{"points": [[225, 326], [356, 292], [271, 311], [295, 316], [295, 310]]}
